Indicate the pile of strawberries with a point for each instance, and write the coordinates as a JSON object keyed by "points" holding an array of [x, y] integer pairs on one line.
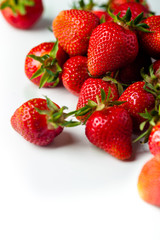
{"points": [[110, 59]]}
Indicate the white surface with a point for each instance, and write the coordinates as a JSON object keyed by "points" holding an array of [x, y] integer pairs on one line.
{"points": [[71, 189]]}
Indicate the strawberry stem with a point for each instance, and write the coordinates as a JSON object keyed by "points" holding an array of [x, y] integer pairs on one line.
{"points": [[48, 63], [126, 21], [17, 6], [56, 116]]}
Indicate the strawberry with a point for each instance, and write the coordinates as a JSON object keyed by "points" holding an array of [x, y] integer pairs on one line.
{"points": [[149, 182], [43, 64], [22, 14], [135, 7], [39, 121], [154, 140], [111, 47], [73, 28], [74, 73], [113, 4], [151, 41], [137, 100], [110, 129], [131, 72], [91, 88]]}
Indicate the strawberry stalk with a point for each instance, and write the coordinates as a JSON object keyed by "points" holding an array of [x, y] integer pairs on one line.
{"points": [[91, 106], [126, 21], [152, 118], [152, 85], [17, 6], [48, 62], [56, 116], [81, 5]]}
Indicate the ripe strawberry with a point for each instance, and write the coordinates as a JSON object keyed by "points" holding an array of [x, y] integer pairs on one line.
{"points": [[113, 4], [131, 72], [120, 47], [110, 129], [43, 64], [91, 88], [74, 73], [32, 125], [22, 13], [73, 28], [149, 182], [39, 121], [151, 41], [135, 7], [154, 140], [137, 101]]}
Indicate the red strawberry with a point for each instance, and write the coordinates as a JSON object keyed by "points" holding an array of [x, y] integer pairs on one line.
{"points": [[43, 64], [149, 182], [32, 125], [22, 14], [113, 4], [39, 121], [74, 73], [151, 41], [154, 140], [91, 88], [110, 129], [137, 101], [136, 9], [73, 28], [111, 47], [131, 72]]}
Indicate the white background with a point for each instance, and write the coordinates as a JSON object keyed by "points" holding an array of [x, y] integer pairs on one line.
{"points": [[70, 189]]}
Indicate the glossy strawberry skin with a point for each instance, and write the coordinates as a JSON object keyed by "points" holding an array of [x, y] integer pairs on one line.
{"points": [[73, 28], [113, 4], [151, 41], [154, 140], [91, 88], [33, 13], [74, 74], [32, 125], [137, 100], [136, 9], [149, 182], [31, 65], [111, 130], [111, 47]]}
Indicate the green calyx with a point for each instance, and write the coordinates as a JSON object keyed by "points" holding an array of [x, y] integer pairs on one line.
{"points": [[113, 80], [17, 6], [49, 67], [126, 21], [152, 85], [152, 82], [81, 5], [56, 116], [151, 118], [92, 106]]}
